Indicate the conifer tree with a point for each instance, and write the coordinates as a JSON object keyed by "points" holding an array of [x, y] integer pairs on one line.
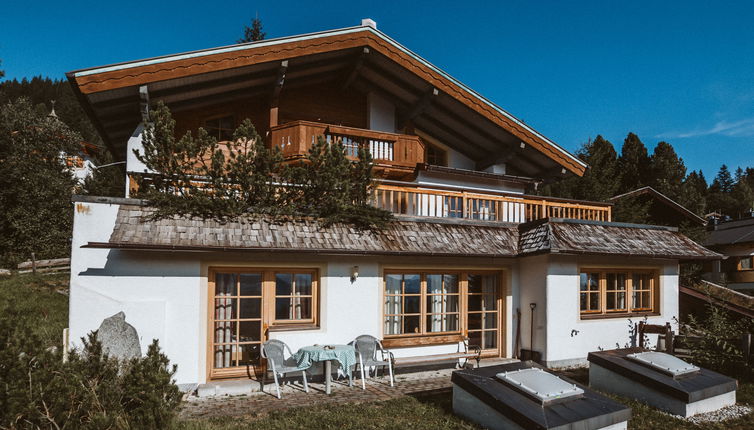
{"points": [[742, 195], [601, 180], [633, 164], [719, 197], [694, 193], [668, 171], [253, 33]]}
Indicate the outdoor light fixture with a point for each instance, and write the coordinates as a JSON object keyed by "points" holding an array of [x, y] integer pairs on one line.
{"points": [[354, 273]]}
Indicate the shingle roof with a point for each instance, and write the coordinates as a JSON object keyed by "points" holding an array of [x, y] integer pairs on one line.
{"points": [[404, 236], [593, 237], [732, 233]]}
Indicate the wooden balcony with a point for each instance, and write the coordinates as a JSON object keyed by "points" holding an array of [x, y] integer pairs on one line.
{"points": [[387, 149], [414, 200]]}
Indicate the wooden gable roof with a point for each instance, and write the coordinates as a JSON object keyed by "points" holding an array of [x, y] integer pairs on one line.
{"points": [[110, 94]]}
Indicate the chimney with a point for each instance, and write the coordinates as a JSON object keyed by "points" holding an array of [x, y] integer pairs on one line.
{"points": [[369, 22]]}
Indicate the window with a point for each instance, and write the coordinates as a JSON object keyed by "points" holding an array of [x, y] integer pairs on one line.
{"points": [[619, 292], [294, 296], [220, 128], [436, 156], [746, 263], [245, 302], [439, 305]]}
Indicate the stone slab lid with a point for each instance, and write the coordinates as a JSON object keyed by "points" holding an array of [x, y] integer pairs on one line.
{"points": [[663, 362], [588, 411], [540, 385]]}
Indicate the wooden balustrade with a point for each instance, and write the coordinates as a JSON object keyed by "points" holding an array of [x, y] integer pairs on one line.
{"points": [[425, 202], [296, 137]]}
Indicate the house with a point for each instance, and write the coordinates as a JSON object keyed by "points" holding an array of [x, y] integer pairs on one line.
{"points": [[468, 248], [735, 240]]}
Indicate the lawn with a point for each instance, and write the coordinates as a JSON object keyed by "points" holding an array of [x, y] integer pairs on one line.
{"points": [[41, 298]]}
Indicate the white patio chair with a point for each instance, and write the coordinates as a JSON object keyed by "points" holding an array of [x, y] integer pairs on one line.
{"points": [[366, 348], [274, 351]]}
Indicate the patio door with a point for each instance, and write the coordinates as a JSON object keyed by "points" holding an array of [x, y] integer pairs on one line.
{"points": [[483, 311], [236, 327]]}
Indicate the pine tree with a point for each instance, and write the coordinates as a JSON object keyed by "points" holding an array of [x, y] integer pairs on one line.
{"points": [[253, 33], [719, 197], [601, 180], [694, 193], [742, 195], [2, 72], [633, 164], [668, 171]]}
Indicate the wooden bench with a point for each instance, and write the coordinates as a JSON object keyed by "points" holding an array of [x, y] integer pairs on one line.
{"points": [[665, 330], [469, 352]]}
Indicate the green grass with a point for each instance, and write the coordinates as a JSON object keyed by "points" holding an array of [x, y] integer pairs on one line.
{"points": [[37, 297], [415, 412]]}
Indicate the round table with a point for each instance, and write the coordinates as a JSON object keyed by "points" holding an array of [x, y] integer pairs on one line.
{"points": [[345, 355]]}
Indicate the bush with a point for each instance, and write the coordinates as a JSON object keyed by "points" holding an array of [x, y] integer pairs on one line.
{"points": [[715, 341], [88, 391]]}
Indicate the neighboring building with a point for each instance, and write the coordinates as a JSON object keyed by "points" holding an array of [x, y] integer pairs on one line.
{"points": [[735, 240], [660, 209], [467, 249]]}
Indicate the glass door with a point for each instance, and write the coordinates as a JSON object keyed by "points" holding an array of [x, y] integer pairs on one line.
{"points": [[483, 311], [237, 323]]}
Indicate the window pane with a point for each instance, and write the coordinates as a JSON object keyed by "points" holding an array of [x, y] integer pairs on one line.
{"points": [[475, 283], [434, 284], [304, 284], [475, 303], [475, 338], [489, 284], [451, 284], [490, 302], [223, 356], [393, 284], [475, 321], [490, 340], [392, 325], [225, 284], [451, 303], [249, 331], [283, 309], [441, 323], [411, 324], [583, 301], [251, 284], [583, 282], [225, 309], [412, 305], [283, 283], [442, 303], [250, 308], [594, 282], [490, 320], [610, 304], [412, 284], [611, 281], [594, 302], [303, 308], [621, 281], [225, 332], [249, 354], [392, 304], [746, 263]]}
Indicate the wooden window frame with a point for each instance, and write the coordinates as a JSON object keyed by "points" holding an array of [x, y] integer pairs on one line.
{"points": [[219, 117], [628, 310], [313, 296], [267, 318], [436, 338], [739, 266]]}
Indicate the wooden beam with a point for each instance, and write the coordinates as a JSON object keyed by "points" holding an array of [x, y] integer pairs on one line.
{"points": [[356, 69], [420, 106], [275, 98], [492, 157]]}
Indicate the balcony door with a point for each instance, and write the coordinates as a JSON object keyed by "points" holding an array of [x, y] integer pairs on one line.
{"points": [[483, 315]]}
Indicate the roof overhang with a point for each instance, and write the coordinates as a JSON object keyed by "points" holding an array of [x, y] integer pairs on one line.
{"points": [[457, 115]]}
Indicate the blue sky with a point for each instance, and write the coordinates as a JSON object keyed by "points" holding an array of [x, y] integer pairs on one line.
{"points": [[681, 72]]}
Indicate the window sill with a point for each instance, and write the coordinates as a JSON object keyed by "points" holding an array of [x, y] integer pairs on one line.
{"points": [[292, 327], [619, 315]]}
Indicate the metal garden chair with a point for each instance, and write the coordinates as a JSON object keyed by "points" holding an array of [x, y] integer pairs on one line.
{"points": [[366, 348], [274, 351]]}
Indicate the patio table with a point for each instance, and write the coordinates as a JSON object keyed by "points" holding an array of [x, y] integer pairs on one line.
{"points": [[345, 355]]}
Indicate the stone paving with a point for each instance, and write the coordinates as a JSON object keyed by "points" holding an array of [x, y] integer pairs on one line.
{"points": [[261, 403]]}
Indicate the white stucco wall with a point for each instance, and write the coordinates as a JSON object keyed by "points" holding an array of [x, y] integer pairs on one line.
{"points": [[160, 297], [560, 333], [380, 113]]}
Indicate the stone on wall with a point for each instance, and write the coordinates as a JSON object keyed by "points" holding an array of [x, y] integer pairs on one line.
{"points": [[119, 339]]}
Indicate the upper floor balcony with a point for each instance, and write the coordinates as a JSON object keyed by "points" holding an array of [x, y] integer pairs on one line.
{"points": [[388, 149]]}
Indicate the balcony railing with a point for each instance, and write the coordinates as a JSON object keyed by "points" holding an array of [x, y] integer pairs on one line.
{"points": [[295, 138], [430, 202]]}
